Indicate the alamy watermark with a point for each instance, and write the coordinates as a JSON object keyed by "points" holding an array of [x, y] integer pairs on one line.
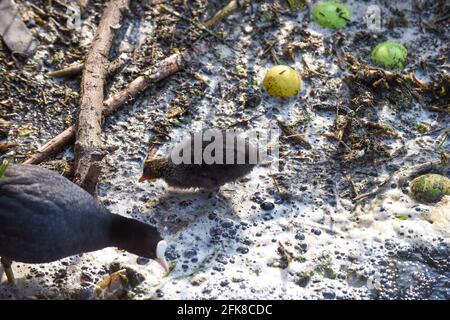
{"points": [[73, 14], [214, 146]]}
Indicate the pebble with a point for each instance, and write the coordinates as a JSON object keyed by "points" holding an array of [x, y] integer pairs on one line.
{"points": [[300, 236], [243, 250], [267, 205], [227, 224], [142, 261], [224, 283], [159, 293], [190, 253]]}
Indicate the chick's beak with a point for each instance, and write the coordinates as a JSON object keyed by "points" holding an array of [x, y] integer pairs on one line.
{"points": [[163, 262]]}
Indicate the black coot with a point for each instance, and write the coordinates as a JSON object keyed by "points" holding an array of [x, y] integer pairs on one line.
{"points": [[45, 217]]}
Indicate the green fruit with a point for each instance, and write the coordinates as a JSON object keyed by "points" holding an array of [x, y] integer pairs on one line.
{"points": [[331, 14], [282, 81], [429, 188], [390, 54]]}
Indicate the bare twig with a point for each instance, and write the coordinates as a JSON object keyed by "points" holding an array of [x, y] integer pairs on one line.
{"points": [[334, 136], [68, 72], [196, 24], [76, 69], [309, 69], [5, 146], [88, 151], [230, 8], [292, 134], [167, 67], [440, 109]]}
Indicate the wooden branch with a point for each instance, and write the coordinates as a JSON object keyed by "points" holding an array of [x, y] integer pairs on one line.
{"points": [[168, 67], [6, 146], [88, 151], [53, 146]]}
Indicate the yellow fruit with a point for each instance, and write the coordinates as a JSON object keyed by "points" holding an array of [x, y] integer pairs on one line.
{"points": [[282, 81]]}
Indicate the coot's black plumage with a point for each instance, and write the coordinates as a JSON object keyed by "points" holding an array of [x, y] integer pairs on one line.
{"points": [[45, 217], [204, 175]]}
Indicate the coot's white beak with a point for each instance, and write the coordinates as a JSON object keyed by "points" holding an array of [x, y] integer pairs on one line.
{"points": [[164, 264], [160, 255]]}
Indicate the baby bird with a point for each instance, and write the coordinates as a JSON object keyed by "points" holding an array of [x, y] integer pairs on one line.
{"points": [[203, 162], [45, 217]]}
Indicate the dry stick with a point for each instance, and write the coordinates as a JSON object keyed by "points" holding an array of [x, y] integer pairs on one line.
{"points": [[88, 151], [166, 68], [77, 68], [196, 24], [230, 8], [438, 109], [68, 72]]}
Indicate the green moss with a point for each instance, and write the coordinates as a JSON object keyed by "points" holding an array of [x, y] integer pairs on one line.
{"points": [[3, 168], [331, 14], [390, 54], [296, 4], [422, 128], [429, 188]]}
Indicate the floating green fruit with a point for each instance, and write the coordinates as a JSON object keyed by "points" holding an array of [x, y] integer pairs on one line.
{"points": [[331, 14], [390, 54], [282, 81], [429, 188]]}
